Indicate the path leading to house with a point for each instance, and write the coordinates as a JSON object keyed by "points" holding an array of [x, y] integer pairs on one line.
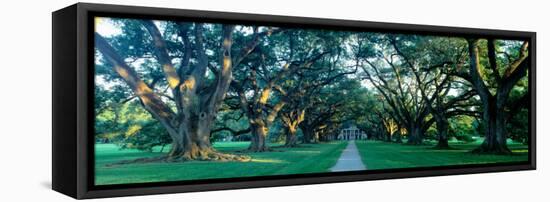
{"points": [[350, 160]]}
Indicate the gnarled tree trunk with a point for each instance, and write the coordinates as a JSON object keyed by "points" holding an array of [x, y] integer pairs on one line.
{"points": [[291, 120], [415, 135], [495, 131], [494, 114], [190, 126], [257, 108], [442, 133], [308, 134], [315, 138], [258, 139], [260, 124], [291, 138]]}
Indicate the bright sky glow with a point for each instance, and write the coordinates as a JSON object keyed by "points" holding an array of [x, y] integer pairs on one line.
{"points": [[106, 27]]}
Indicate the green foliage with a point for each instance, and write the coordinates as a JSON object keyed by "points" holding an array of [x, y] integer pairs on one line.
{"points": [[479, 127], [233, 119], [131, 127], [121, 119], [518, 127], [462, 128], [431, 133]]}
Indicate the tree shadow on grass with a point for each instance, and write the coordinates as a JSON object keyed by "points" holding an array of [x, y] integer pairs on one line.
{"points": [[293, 146], [270, 149]]}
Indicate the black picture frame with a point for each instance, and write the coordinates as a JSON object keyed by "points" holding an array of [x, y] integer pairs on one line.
{"points": [[73, 115]]}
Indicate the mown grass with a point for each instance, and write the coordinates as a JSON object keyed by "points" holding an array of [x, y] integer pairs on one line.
{"points": [[311, 158], [384, 155]]}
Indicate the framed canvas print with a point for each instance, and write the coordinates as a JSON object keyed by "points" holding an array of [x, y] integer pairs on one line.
{"points": [[154, 100]]}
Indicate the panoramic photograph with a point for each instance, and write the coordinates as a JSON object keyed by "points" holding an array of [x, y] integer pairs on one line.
{"points": [[184, 101]]}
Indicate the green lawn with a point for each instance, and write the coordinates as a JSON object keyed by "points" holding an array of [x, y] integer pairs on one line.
{"points": [[311, 158], [383, 155]]}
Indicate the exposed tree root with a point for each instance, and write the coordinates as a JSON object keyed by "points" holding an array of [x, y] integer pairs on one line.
{"points": [[139, 160], [212, 156], [187, 156]]}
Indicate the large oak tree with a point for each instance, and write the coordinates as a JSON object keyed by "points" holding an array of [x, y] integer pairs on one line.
{"points": [[196, 93]]}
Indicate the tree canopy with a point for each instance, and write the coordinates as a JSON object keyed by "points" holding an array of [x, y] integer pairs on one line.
{"points": [[187, 84]]}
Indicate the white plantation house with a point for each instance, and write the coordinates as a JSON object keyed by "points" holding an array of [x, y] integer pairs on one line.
{"points": [[352, 133]]}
